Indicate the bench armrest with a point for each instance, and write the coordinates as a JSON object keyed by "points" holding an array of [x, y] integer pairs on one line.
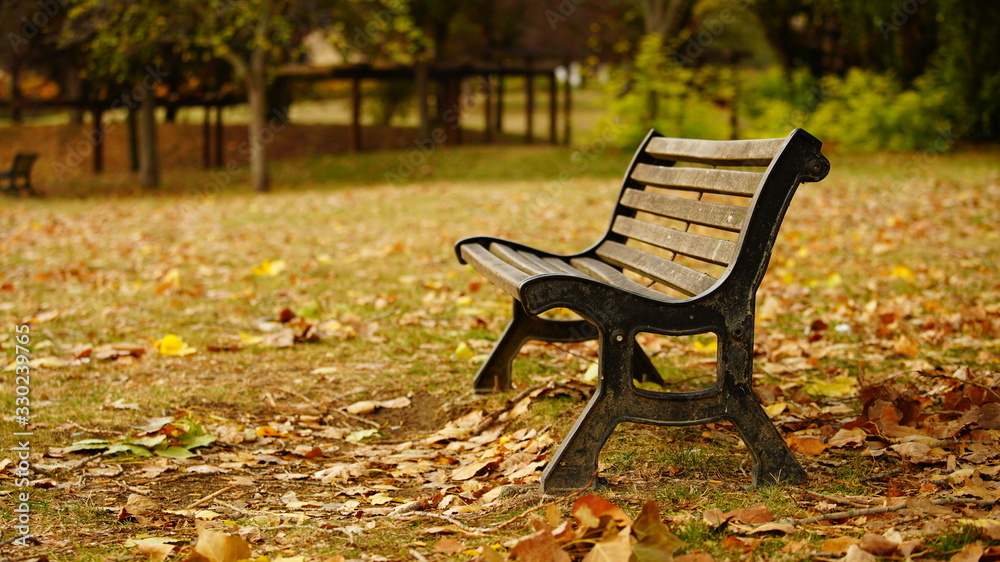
{"points": [[486, 241]]}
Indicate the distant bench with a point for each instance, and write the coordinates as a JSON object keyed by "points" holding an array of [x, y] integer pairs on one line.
{"points": [[20, 171], [685, 252]]}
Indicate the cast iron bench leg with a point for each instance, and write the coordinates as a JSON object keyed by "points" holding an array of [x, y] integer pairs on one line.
{"points": [[494, 375], [773, 462], [574, 465]]}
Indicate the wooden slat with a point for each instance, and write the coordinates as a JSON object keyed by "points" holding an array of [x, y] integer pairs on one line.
{"points": [[514, 258], [604, 272], [499, 272], [563, 267], [712, 250], [725, 217], [541, 263], [716, 153], [671, 274], [705, 180]]}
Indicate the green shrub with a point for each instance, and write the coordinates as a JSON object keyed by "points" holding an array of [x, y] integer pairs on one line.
{"points": [[863, 110]]}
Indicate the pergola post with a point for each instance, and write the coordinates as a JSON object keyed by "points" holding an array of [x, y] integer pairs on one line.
{"points": [[354, 136], [99, 140], [206, 138], [567, 106], [218, 135], [529, 105], [487, 111], [553, 107]]}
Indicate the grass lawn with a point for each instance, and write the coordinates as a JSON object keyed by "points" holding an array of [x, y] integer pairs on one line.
{"points": [[333, 337]]}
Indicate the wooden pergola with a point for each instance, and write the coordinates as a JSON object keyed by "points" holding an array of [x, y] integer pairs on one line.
{"points": [[452, 79], [491, 76]]}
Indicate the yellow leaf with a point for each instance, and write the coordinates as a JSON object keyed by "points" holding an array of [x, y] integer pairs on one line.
{"points": [[836, 388], [380, 498], [464, 352], [833, 280], [709, 348], [592, 374], [250, 339], [174, 346], [775, 409], [173, 277], [269, 268], [902, 272]]}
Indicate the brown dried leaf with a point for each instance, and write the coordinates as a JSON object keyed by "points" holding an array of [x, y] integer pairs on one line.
{"points": [[540, 546], [838, 545], [878, 544], [810, 446], [713, 517], [750, 515], [856, 554], [971, 553], [655, 541], [213, 546], [618, 548], [590, 509], [448, 546], [848, 438]]}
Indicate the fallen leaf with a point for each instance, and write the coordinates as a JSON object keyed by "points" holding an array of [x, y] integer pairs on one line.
{"points": [[540, 546], [213, 546], [713, 517], [589, 509], [971, 553], [363, 407], [837, 388], [810, 446], [855, 554], [838, 545], [854, 437], [173, 346], [469, 470], [773, 527], [878, 545], [155, 549], [448, 546], [269, 268], [617, 548], [749, 515], [654, 541]]}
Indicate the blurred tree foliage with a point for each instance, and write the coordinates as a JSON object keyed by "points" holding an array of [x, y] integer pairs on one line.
{"points": [[951, 43]]}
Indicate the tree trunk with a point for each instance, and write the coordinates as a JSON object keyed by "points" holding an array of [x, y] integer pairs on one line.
{"points": [[257, 96], [149, 165]]}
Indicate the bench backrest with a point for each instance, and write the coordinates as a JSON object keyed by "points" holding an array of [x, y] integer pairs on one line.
{"points": [[690, 210], [22, 163]]}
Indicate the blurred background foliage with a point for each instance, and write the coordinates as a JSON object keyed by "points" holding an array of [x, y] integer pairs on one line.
{"points": [[865, 74]]}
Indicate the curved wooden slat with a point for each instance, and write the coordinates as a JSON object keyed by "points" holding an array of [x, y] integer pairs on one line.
{"points": [[604, 272], [724, 217], [516, 259], [716, 153], [712, 250], [499, 272], [674, 275], [704, 180]]}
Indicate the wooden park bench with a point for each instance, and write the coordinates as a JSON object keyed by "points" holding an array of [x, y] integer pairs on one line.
{"points": [[20, 170], [684, 254]]}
